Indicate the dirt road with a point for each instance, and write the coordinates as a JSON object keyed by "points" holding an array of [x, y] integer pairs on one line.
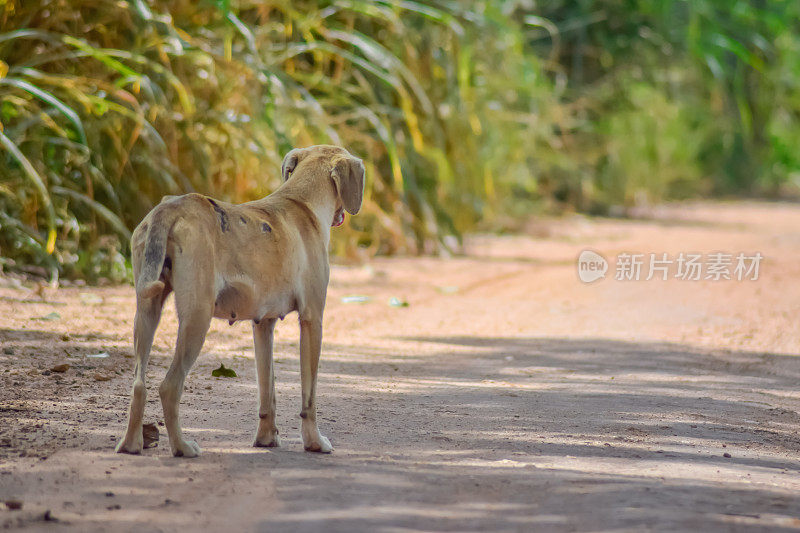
{"points": [[507, 396]]}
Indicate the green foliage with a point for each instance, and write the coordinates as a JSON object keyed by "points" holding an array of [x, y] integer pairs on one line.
{"points": [[681, 97], [465, 112]]}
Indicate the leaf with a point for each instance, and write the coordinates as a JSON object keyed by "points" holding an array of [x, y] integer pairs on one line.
{"points": [[379, 55], [45, 96], [39, 185], [223, 372], [101, 210]]}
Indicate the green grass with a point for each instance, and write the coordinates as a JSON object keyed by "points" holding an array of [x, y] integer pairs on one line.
{"points": [[466, 113]]}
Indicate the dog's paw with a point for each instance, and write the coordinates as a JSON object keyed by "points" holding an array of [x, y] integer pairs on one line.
{"points": [[268, 441], [320, 445], [132, 446], [187, 448]]}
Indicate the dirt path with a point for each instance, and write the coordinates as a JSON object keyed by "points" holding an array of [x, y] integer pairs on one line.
{"points": [[508, 396]]}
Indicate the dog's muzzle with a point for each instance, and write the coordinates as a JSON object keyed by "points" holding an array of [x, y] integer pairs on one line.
{"points": [[338, 218]]}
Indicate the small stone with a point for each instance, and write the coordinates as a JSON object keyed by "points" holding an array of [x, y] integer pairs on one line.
{"points": [[14, 505], [726, 454], [355, 299], [101, 377], [63, 367], [397, 302], [150, 434], [109, 494]]}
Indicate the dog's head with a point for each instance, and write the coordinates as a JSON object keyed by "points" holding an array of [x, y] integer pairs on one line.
{"points": [[346, 173]]}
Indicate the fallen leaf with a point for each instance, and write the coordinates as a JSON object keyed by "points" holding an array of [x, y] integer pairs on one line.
{"points": [[223, 372], [101, 377], [63, 367]]}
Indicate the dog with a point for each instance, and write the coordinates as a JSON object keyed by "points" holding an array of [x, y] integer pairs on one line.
{"points": [[256, 261]]}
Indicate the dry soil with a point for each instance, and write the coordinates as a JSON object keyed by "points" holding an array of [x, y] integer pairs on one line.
{"points": [[507, 396]]}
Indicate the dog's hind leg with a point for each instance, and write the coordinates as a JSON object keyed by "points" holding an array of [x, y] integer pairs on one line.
{"points": [[148, 313], [267, 434], [310, 347], [193, 283]]}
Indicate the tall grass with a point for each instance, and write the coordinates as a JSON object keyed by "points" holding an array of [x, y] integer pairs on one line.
{"points": [[467, 113]]}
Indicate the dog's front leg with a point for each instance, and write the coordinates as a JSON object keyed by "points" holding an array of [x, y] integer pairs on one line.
{"points": [[267, 435], [310, 346]]}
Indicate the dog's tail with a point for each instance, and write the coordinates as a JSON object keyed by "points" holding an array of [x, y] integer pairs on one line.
{"points": [[148, 284]]}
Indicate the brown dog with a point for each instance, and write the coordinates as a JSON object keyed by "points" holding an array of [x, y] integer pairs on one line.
{"points": [[255, 261]]}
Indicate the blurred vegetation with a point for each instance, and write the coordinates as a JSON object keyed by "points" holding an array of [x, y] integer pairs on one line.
{"points": [[467, 113]]}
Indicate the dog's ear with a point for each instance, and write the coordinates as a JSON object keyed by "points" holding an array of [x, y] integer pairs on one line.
{"points": [[289, 163], [348, 173]]}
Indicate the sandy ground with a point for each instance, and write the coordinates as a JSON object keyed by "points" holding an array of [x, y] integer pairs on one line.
{"points": [[508, 396]]}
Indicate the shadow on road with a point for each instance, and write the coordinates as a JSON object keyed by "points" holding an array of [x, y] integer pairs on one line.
{"points": [[468, 434], [520, 434]]}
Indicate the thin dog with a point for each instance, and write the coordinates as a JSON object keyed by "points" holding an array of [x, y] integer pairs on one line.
{"points": [[255, 261]]}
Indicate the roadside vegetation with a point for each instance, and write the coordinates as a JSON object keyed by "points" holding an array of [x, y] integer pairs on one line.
{"points": [[468, 114]]}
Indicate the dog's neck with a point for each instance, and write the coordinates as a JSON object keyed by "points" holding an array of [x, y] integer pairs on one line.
{"points": [[319, 195]]}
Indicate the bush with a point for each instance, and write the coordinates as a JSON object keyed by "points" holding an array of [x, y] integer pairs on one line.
{"points": [[466, 113]]}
